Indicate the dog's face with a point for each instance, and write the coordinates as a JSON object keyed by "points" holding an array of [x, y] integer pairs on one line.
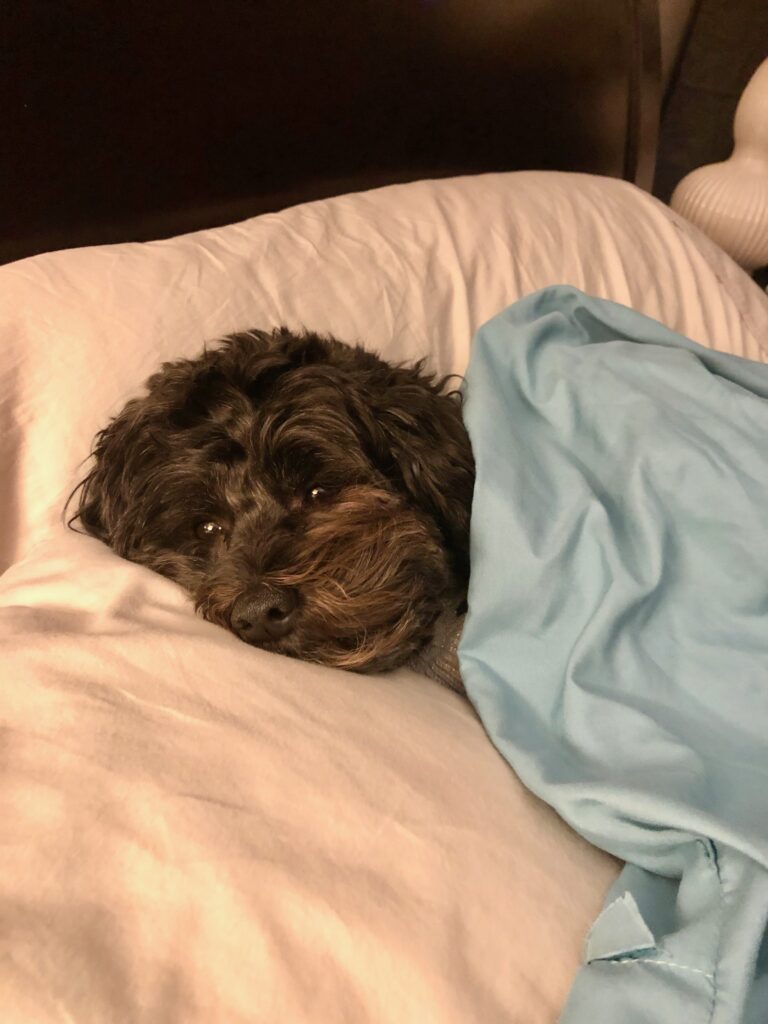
{"points": [[311, 498]]}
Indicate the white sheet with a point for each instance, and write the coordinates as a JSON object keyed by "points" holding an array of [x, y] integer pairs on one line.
{"points": [[194, 830]]}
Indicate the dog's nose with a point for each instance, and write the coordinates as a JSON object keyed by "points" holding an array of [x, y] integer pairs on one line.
{"points": [[267, 613]]}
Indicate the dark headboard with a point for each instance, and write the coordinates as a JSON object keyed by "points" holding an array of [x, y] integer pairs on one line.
{"points": [[132, 119]]}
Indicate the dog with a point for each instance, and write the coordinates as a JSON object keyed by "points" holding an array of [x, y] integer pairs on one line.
{"points": [[311, 497]]}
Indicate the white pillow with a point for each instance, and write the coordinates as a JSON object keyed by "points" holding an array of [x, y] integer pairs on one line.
{"points": [[409, 270], [195, 830]]}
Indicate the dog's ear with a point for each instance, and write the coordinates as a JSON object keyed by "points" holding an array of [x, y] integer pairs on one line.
{"points": [[132, 456], [416, 437], [129, 454], [103, 497]]}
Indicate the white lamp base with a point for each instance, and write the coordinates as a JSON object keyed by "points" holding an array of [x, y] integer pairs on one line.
{"points": [[729, 200]]}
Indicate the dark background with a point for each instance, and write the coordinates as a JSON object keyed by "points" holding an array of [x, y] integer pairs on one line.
{"points": [[727, 41], [134, 119]]}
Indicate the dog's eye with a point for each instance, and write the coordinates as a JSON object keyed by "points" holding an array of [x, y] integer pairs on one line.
{"points": [[316, 493], [209, 530]]}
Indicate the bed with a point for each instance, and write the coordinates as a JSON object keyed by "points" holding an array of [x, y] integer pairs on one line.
{"points": [[195, 830]]}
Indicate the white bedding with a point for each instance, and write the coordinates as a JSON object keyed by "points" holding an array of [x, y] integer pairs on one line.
{"points": [[194, 830]]}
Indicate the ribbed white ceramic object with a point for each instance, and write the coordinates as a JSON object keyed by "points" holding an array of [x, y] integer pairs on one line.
{"points": [[729, 200]]}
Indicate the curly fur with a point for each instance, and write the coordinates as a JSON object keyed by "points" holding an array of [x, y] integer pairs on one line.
{"points": [[330, 472]]}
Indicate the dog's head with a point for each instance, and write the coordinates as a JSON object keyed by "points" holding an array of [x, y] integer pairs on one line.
{"points": [[312, 498]]}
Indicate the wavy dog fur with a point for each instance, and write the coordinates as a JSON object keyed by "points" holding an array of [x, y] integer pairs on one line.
{"points": [[302, 463]]}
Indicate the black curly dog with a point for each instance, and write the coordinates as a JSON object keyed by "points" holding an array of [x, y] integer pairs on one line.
{"points": [[312, 498]]}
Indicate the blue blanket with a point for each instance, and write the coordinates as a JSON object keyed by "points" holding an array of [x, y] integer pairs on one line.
{"points": [[616, 645]]}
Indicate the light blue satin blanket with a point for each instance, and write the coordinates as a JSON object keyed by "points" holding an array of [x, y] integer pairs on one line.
{"points": [[616, 646]]}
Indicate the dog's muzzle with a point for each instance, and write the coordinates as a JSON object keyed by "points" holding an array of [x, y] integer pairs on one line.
{"points": [[265, 614]]}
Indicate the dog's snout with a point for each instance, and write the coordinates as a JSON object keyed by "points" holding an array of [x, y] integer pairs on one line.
{"points": [[267, 613]]}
